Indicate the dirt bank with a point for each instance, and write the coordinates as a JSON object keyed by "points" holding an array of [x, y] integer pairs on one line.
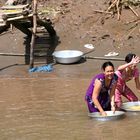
{"points": [[77, 23]]}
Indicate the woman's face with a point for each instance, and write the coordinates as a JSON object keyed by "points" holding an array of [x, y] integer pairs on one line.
{"points": [[109, 72]]}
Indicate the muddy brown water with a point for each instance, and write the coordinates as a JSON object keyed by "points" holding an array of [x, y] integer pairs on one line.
{"points": [[51, 106]]}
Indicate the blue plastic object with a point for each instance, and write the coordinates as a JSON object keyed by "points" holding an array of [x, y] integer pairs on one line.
{"points": [[45, 68]]}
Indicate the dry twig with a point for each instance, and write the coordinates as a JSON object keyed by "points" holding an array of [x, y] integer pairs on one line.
{"points": [[118, 9], [133, 29], [117, 5], [112, 5], [100, 11], [136, 21], [133, 10]]}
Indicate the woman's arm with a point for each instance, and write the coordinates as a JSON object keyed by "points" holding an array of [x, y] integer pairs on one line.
{"points": [[96, 91], [134, 61], [137, 81], [112, 97]]}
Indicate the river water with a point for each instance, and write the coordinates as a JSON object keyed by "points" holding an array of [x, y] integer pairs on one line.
{"points": [[44, 107], [51, 106]]}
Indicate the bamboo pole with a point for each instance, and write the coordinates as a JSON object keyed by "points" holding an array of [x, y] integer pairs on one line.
{"points": [[19, 17], [12, 54], [105, 58], [33, 33]]}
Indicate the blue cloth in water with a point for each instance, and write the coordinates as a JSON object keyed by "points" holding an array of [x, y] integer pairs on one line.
{"points": [[45, 68]]}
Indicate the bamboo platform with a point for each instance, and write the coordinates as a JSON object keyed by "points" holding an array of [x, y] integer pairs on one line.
{"points": [[15, 12], [14, 7], [26, 19]]}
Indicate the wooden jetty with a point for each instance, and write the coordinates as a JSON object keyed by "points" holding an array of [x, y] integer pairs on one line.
{"points": [[25, 18]]}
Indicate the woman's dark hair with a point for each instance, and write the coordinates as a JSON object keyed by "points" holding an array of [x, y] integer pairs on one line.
{"points": [[129, 57], [108, 63]]}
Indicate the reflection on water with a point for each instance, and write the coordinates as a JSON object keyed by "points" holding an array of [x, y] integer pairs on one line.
{"points": [[54, 109]]}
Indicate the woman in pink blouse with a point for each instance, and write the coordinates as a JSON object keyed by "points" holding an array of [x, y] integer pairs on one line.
{"points": [[127, 72]]}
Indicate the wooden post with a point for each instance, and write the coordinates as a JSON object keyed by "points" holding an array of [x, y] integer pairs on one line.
{"points": [[33, 33]]}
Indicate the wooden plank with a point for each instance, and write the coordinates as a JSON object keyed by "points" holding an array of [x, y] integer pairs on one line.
{"points": [[14, 6], [3, 22], [11, 12], [19, 17]]}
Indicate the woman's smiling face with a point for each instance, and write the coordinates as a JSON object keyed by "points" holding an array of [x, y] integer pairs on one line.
{"points": [[109, 72]]}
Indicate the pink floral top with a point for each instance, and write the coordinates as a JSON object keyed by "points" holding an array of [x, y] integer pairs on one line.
{"points": [[123, 77]]}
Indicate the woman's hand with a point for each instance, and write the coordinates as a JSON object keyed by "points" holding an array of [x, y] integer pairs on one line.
{"points": [[103, 113], [113, 108], [135, 60]]}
